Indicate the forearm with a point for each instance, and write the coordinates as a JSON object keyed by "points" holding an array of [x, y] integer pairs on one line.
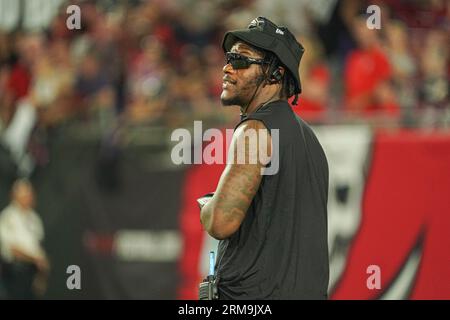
{"points": [[39, 259], [221, 217], [216, 221], [20, 254], [206, 216]]}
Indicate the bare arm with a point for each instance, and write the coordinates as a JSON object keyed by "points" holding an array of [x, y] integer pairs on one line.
{"points": [[41, 262], [224, 213]]}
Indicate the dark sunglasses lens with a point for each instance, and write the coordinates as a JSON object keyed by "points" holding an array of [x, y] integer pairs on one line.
{"points": [[237, 61], [239, 64]]}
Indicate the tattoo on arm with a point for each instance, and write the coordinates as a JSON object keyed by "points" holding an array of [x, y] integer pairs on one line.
{"points": [[238, 184]]}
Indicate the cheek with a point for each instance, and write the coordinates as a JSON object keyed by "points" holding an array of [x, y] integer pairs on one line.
{"points": [[247, 86], [229, 90]]}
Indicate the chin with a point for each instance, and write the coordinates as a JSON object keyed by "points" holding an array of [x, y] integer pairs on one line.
{"points": [[229, 101]]}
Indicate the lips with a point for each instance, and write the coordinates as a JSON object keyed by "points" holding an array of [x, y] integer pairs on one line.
{"points": [[226, 85], [227, 82]]}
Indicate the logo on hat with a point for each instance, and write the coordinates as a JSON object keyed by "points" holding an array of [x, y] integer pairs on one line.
{"points": [[279, 31], [257, 22]]}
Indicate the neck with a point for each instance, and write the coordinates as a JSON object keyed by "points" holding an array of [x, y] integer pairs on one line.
{"points": [[258, 101], [22, 207]]}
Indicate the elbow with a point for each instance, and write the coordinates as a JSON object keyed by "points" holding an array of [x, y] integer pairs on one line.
{"points": [[221, 230], [218, 234]]}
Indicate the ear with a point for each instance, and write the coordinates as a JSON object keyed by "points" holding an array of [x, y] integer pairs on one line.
{"points": [[277, 75]]}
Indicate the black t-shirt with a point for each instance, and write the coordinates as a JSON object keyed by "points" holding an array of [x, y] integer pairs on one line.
{"points": [[280, 250]]}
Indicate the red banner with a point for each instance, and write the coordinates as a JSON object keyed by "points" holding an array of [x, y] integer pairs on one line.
{"points": [[403, 230]]}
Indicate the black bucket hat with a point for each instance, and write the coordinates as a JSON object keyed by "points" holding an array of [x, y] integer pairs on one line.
{"points": [[264, 34]]}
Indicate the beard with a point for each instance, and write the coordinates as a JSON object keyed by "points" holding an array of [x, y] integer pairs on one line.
{"points": [[235, 100], [242, 95]]}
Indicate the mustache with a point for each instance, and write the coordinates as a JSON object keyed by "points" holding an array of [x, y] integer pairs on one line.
{"points": [[228, 79]]}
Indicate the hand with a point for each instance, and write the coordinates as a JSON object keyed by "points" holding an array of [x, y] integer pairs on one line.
{"points": [[204, 199], [42, 264], [40, 284]]}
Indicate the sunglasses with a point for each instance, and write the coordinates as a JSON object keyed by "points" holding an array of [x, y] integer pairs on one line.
{"points": [[239, 61]]}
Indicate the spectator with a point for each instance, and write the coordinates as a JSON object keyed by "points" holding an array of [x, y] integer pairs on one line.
{"points": [[402, 62], [314, 101], [53, 78], [434, 65], [25, 264], [4, 74], [367, 75]]}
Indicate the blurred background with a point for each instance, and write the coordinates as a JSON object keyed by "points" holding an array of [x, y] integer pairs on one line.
{"points": [[86, 117]]}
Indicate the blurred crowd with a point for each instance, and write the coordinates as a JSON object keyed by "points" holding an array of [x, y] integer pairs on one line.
{"points": [[159, 63]]}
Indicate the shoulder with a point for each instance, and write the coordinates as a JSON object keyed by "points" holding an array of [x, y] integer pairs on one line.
{"points": [[8, 216], [8, 212], [252, 138], [251, 124], [251, 128]]}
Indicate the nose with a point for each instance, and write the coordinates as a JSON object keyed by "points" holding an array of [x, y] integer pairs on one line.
{"points": [[227, 68]]}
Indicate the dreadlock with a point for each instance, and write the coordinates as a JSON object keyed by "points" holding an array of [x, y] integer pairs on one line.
{"points": [[287, 82], [288, 86]]}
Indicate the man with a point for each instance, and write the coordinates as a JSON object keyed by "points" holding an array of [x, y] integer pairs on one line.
{"points": [[25, 264], [273, 228]]}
